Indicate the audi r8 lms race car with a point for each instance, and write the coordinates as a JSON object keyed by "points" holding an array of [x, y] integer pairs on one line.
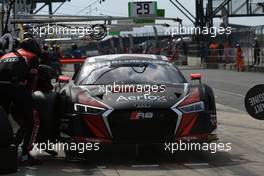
{"points": [[138, 99]]}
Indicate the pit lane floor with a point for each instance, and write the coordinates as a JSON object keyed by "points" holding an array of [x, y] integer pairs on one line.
{"points": [[235, 127]]}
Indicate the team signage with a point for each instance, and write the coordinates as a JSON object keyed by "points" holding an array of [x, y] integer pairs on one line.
{"points": [[141, 9]]}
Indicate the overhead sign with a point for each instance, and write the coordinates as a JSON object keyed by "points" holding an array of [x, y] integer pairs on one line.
{"points": [[45, 1], [143, 8]]}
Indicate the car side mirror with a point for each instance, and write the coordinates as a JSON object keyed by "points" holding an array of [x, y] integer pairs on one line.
{"points": [[64, 79], [196, 76]]}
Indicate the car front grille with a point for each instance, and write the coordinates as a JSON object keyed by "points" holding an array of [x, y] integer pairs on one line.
{"points": [[159, 128]]}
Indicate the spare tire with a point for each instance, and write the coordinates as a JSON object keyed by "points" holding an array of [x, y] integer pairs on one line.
{"points": [[6, 131], [46, 104]]}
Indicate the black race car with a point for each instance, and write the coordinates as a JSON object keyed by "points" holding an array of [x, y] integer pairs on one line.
{"points": [[138, 99]]}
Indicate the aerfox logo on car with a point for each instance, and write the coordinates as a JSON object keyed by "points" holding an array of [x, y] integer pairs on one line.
{"points": [[139, 98]]}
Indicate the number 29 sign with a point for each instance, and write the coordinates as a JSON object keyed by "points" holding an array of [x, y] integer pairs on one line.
{"points": [[142, 8]]}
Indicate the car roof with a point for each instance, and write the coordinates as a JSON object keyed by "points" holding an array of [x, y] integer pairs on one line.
{"points": [[126, 56]]}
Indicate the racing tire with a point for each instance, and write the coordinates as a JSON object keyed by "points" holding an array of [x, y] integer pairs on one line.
{"points": [[8, 160], [8, 152], [210, 109], [209, 99], [47, 106], [6, 131]]}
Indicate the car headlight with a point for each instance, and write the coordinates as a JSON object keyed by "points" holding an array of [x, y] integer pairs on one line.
{"points": [[191, 108], [86, 109]]}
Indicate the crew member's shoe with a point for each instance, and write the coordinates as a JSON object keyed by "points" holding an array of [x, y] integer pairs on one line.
{"points": [[28, 160]]}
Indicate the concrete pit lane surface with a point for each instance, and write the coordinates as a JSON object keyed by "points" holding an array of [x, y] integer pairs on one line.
{"points": [[235, 126]]}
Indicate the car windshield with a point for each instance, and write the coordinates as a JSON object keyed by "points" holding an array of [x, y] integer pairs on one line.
{"points": [[129, 73]]}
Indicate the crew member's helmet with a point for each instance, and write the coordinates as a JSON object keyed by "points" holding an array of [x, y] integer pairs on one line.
{"points": [[74, 46], [31, 45], [45, 47], [45, 73], [28, 35]]}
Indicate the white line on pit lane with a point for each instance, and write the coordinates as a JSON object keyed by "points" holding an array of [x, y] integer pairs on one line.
{"points": [[196, 164], [146, 166], [229, 93]]}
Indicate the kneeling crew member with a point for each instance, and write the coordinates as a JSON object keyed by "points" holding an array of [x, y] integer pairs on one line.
{"points": [[18, 76]]}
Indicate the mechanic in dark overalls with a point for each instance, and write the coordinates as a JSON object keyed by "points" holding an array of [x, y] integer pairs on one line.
{"points": [[45, 60], [76, 54], [18, 75]]}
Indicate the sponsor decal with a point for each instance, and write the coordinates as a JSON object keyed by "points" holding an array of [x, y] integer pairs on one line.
{"points": [[145, 98], [138, 60], [141, 115], [11, 59]]}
